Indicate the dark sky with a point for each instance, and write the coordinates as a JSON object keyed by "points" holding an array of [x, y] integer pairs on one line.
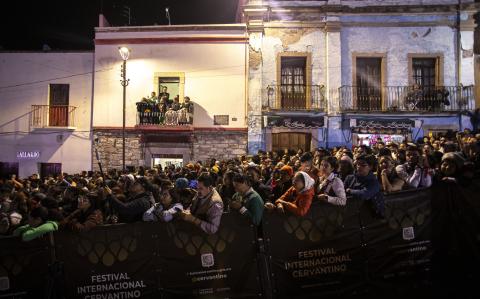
{"points": [[68, 24]]}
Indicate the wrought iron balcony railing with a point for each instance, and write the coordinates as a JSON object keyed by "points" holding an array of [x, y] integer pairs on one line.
{"points": [[153, 114], [44, 116], [406, 98], [294, 98]]}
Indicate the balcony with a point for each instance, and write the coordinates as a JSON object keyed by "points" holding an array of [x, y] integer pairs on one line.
{"points": [[53, 116], [150, 115], [294, 98], [406, 99]]}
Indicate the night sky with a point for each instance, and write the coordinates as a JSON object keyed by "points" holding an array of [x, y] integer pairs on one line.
{"points": [[68, 24]]}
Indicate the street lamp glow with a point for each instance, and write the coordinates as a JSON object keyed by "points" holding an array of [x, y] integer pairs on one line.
{"points": [[124, 52]]}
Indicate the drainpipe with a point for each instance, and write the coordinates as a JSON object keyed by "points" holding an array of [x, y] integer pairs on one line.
{"points": [[458, 44]]}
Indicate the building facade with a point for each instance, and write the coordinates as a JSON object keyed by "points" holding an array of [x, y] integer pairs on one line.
{"points": [[206, 63], [46, 112], [328, 73]]}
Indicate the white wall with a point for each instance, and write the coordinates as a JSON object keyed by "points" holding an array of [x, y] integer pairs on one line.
{"points": [[397, 43], [214, 78], [24, 81]]}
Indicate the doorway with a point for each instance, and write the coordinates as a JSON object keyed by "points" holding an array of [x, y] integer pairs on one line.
{"points": [[369, 83], [293, 141]]}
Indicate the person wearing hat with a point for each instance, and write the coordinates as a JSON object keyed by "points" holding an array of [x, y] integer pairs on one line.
{"points": [[207, 206], [284, 182], [246, 201], [298, 198], [414, 172], [139, 200], [254, 173], [184, 193]]}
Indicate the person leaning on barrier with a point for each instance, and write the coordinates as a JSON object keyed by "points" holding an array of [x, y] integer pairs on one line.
{"points": [[207, 206], [364, 185], [184, 194], [246, 200], [298, 198], [139, 200], [87, 215], [254, 174], [38, 225], [331, 187], [167, 208], [414, 172], [284, 182], [387, 175]]}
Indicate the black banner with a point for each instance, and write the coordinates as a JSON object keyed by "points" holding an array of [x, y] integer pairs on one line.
{"points": [[223, 265], [399, 247], [316, 255], [295, 122], [109, 261], [24, 268], [386, 126]]}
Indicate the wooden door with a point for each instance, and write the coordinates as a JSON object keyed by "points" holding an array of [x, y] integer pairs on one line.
{"points": [[369, 84], [291, 141], [53, 169], [58, 105]]}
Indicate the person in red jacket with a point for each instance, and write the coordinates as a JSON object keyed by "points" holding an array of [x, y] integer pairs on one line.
{"points": [[298, 198]]}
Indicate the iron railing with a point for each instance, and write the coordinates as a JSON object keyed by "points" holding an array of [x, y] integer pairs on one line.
{"points": [[151, 114], [294, 97], [406, 98], [44, 116]]}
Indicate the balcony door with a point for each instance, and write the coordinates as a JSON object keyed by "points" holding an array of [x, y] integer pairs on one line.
{"points": [[293, 82], [58, 105], [369, 84]]}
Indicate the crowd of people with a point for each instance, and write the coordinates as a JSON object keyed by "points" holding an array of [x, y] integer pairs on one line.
{"points": [[163, 110], [269, 182]]}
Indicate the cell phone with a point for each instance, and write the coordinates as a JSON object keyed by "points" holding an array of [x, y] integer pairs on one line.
{"points": [[177, 209]]}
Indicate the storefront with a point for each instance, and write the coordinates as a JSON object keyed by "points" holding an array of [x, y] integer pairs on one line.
{"points": [[367, 131], [293, 132]]}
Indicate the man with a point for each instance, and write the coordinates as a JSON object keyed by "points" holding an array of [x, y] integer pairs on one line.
{"points": [[414, 172], [207, 206], [246, 200], [140, 199], [253, 173], [364, 185], [164, 93]]}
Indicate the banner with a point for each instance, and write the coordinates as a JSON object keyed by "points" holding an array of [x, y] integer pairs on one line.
{"points": [[222, 265], [24, 268], [399, 247], [316, 255], [114, 261]]}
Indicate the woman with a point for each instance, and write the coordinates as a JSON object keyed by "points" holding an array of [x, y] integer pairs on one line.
{"points": [[298, 198], [166, 209], [331, 187], [345, 167], [38, 225], [87, 215], [388, 177]]}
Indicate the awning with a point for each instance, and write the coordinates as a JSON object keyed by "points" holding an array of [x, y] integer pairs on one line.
{"points": [[383, 126], [295, 122]]}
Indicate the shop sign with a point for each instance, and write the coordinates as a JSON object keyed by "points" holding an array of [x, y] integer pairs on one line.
{"points": [[28, 154]]}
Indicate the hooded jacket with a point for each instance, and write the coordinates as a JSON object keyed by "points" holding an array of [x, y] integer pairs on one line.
{"points": [[298, 203]]}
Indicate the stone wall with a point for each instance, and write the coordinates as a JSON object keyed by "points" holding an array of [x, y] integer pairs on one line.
{"points": [[219, 145], [110, 149]]}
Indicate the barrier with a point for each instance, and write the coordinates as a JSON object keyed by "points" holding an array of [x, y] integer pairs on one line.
{"points": [[315, 255], [24, 268], [428, 240]]}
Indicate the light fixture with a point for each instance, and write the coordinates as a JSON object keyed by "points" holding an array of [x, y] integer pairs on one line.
{"points": [[124, 52]]}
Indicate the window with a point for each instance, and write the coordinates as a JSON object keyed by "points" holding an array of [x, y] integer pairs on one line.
{"points": [[293, 82], [7, 169], [424, 72], [50, 169], [172, 85], [220, 120], [58, 105]]}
